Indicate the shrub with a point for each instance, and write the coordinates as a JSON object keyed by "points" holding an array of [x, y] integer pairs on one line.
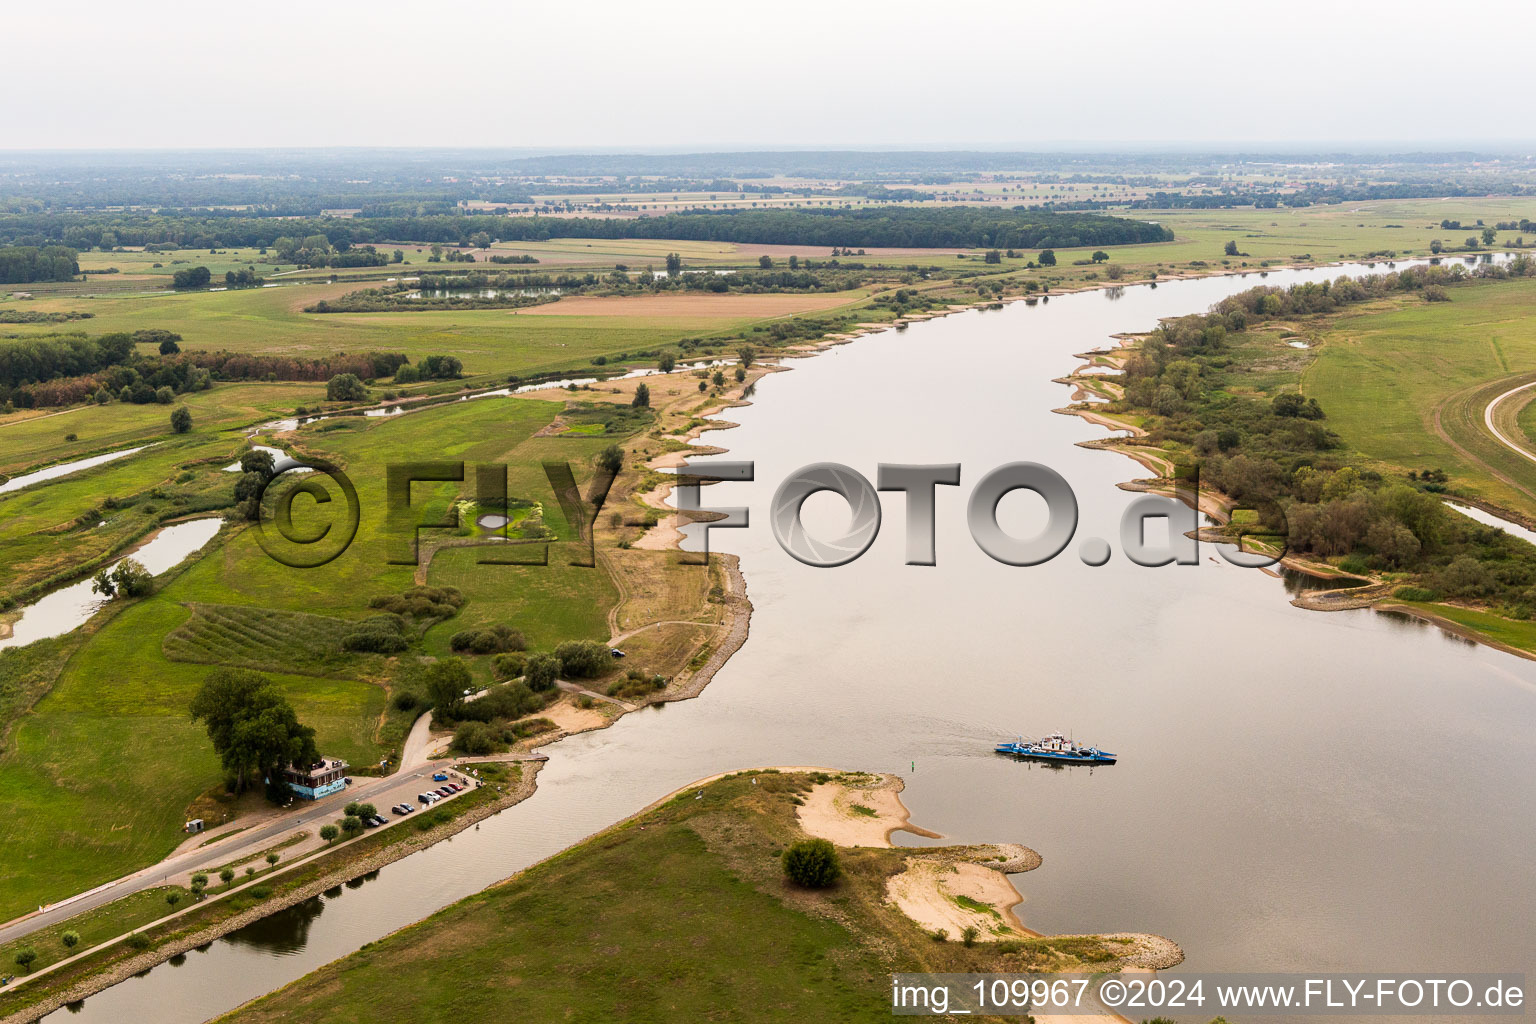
{"points": [[968, 936], [1416, 594], [260, 892], [138, 940], [181, 420], [474, 739], [507, 666], [345, 387], [583, 659], [541, 672], [812, 863], [498, 638]]}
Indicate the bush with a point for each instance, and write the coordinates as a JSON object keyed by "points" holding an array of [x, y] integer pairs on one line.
{"points": [[495, 639], [345, 387], [260, 892], [507, 666], [181, 420], [583, 659], [541, 672], [812, 863], [475, 739], [1416, 594]]}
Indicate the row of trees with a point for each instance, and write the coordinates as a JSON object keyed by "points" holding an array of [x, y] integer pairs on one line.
{"points": [[312, 239]]}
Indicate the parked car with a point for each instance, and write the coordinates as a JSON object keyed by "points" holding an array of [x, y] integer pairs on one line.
{"points": [[445, 791], [440, 777], [424, 798], [379, 819], [616, 652], [370, 823], [455, 787]]}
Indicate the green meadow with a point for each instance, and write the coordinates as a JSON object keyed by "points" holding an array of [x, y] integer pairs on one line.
{"points": [[98, 776], [1407, 385]]}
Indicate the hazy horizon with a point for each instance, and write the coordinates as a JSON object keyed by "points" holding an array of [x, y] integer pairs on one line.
{"points": [[695, 77]]}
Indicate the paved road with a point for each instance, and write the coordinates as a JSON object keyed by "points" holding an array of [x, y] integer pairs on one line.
{"points": [[1498, 434], [400, 787]]}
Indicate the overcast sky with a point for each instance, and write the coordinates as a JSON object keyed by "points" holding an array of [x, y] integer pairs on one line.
{"points": [[724, 74]]}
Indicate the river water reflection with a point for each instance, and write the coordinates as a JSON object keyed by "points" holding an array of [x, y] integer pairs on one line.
{"points": [[1296, 790]]}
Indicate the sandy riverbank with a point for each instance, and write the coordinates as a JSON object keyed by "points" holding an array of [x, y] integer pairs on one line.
{"points": [[947, 889]]}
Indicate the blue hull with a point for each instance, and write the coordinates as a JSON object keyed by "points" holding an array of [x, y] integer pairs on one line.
{"points": [[1026, 750]]}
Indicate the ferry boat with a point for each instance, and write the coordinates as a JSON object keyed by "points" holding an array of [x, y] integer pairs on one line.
{"points": [[1055, 749]]}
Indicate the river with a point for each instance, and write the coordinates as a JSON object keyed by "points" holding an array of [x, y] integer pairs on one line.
{"points": [[1296, 790]]}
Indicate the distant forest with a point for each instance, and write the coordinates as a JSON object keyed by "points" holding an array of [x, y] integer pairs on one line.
{"points": [[956, 226]]}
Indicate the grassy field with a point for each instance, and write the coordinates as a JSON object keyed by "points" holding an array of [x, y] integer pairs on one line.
{"points": [[587, 936], [34, 438], [489, 341], [1407, 385], [101, 772], [93, 927]]}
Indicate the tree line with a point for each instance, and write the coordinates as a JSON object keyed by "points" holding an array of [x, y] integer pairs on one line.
{"points": [[25, 264], [1278, 456], [918, 227]]}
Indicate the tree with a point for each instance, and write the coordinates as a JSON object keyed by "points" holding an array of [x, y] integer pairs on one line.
{"points": [[168, 347], [351, 825], [747, 354], [1231, 248], [812, 863], [667, 362], [446, 682], [172, 898], [993, 256], [1436, 246], [128, 578], [329, 833], [1489, 235], [256, 468], [1100, 256], [227, 876], [273, 858], [25, 957], [741, 374], [250, 870], [70, 939], [252, 726], [345, 387], [181, 420], [765, 262], [611, 458], [398, 256], [1047, 258], [1471, 241], [642, 399], [366, 811], [674, 264], [196, 277], [541, 672], [165, 396]]}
